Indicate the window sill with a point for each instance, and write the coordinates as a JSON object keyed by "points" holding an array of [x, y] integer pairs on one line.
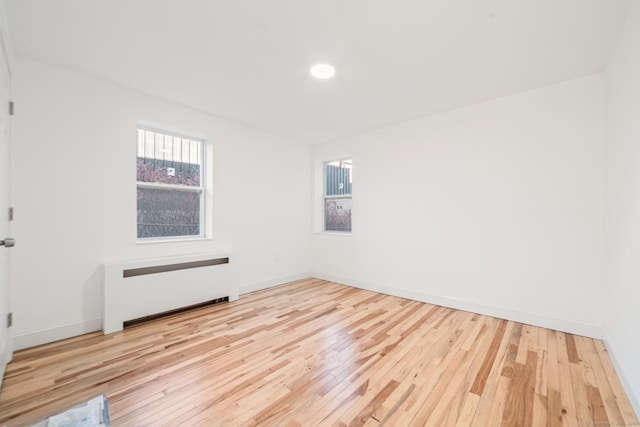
{"points": [[175, 240], [333, 233]]}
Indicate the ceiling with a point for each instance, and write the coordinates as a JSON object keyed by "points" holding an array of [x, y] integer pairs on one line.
{"points": [[248, 60]]}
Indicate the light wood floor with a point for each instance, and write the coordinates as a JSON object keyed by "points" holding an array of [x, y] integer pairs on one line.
{"points": [[317, 353]]}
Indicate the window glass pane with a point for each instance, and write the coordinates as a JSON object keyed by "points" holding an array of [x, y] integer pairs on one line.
{"points": [[338, 178], [168, 213], [168, 159], [337, 214]]}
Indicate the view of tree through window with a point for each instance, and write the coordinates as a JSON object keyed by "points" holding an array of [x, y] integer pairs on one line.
{"points": [[169, 181], [337, 196]]}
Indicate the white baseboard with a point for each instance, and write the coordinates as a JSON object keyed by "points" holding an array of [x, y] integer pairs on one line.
{"points": [[632, 393], [6, 354], [534, 319], [3, 367], [245, 289], [55, 333]]}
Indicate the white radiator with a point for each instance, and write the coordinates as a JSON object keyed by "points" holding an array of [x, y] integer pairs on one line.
{"points": [[136, 289]]}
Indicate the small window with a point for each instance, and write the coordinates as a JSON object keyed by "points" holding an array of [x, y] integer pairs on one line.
{"points": [[169, 181], [337, 196]]}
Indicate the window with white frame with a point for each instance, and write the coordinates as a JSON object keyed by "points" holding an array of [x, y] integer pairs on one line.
{"points": [[337, 195], [170, 185]]}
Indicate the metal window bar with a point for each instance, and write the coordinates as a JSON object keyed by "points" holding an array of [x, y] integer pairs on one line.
{"points": [[337, 180], [169, 147]]}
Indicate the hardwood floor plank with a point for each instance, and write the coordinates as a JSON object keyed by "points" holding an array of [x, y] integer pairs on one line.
{"points": [[572, 352], [581, 399], [617, 391], [519, 405], [468, 412], [540, 401], [489, 361], [555, 412], [457, 388], [316, 353], [539, 417], [616, 409], [509, 365], [487, 410], [569, 415]]}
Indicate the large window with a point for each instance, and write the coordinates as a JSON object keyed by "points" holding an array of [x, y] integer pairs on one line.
{"points": [[170, 189], [337, 196]]}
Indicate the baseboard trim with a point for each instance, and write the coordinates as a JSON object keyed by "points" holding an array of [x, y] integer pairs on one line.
{"points": [[632, 394], [3, 367], [245, 289], [572, 327], [55, 333], [6, 354]]}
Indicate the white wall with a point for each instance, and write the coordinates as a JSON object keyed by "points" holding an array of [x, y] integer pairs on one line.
{"points": [[622, 311], [495, 208], [75, 198]]}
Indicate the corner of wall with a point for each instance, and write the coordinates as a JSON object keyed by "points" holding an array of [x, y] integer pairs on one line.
{"points": [[258, 286]]}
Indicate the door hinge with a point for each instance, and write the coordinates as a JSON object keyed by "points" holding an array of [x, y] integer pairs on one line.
{"points": [[11, 108], [9, 320], [10, 214]]}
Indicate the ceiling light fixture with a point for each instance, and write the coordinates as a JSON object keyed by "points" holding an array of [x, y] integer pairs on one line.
{"points": [[322, 71]]}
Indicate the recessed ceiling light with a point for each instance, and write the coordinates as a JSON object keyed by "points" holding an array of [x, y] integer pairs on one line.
{"points": [[322, 71]]}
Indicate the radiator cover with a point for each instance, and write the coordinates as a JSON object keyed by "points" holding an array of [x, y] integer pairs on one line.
{"points": [[134, 289]]}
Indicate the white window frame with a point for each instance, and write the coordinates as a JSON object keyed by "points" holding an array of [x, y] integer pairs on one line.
{"points": [[326, 197], [201, 189]]}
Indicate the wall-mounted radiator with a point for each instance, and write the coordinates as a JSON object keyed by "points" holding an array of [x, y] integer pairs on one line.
{"points": [[135, 289]]}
